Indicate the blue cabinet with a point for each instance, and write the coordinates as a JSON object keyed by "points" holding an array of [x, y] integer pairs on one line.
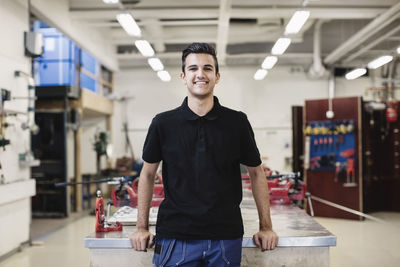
{"points": [[56, 72], [88, 82], [59, 48], [61, 60], [88, 62]]}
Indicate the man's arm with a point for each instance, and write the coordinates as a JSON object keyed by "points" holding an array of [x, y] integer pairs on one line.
{"points": [[266, 238], [142, 235]]}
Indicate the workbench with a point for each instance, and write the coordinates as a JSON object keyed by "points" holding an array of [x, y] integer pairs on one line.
{"points": [[302, 241]]}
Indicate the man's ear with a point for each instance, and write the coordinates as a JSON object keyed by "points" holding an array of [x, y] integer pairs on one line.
{"points": [[183, 77], [218, 76]]}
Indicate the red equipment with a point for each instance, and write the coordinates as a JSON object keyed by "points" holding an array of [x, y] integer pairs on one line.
{"points": [[283, 189], [126, 195], [101, 224], [158, 192], [391, 111], [119, 201]]}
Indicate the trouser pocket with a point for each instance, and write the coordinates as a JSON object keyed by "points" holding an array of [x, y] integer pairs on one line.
{"points": [[232, 251], [162, 251]]}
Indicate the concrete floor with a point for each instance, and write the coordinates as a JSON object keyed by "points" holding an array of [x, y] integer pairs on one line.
{"points": [[359, 243]]}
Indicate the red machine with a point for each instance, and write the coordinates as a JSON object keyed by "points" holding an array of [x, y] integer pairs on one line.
{"points": [[283, 189], [126, 195], [158, 192], [101, 224]]}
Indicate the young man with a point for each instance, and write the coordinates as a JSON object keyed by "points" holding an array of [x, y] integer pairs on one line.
{"points": [[201, 145]]}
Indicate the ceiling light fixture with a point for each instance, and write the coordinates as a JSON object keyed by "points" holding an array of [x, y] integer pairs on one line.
{"points": [[129, 24], [155, 64], [260, 74], [354, 74], [144, 48], [297, 21], [280, 46], [269, 62], [398, 50], [110, 1], [164, 75], [380, 61]]}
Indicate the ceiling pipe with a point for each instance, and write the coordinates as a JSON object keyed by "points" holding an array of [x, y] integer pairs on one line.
{"points": [[317, 70], [331, 94], [372, 28], [372, 44]]}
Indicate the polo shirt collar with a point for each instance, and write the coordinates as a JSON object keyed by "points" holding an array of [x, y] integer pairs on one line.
{"points": [[190, 115]]}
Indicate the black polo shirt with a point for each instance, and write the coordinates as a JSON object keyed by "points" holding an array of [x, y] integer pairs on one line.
{"points": [[201, 159]]}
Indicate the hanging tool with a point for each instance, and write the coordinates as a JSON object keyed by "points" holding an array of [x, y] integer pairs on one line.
{"points": [[5, 96], [347, 153], [337, 172], [350, 174]]}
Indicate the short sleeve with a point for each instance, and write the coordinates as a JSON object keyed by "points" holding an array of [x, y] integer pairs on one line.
{"points": [[249, 154], [152, 147]]}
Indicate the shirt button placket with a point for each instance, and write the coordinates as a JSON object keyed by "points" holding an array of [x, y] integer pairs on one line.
{"points": [[202, 140]]}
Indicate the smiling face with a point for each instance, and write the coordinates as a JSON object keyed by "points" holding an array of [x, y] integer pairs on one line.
{"points": [[200, 75]]}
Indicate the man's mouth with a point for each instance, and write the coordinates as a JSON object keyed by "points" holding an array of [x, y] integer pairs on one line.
{"points": [[201, 82]]}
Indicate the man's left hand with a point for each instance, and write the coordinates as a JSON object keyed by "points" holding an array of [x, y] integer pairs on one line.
{"points": [[266, 239]]}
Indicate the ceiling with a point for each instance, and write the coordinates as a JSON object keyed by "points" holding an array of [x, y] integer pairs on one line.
{"points": [[352, 32]]}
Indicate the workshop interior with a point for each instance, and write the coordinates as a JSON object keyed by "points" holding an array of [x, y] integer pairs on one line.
{"points": [[81, 81]]}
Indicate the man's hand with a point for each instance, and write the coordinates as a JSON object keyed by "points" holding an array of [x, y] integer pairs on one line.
{"points": [[141, 240], [266, 239]]}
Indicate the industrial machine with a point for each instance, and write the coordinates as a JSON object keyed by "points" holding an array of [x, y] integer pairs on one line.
{"points": [[102, 225], [126, 191], [284, 189]]}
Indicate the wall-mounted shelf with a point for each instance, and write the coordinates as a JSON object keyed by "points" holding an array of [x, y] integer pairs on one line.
{"points": [[94, 104]]}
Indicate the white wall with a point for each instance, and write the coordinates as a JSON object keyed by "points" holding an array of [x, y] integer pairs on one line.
{"points": [[267, 104], [14, 215]]}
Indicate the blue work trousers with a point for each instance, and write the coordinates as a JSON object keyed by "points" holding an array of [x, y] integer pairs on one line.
{"points": [[197, 253]]}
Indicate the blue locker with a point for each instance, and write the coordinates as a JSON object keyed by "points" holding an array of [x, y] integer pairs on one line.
{"points": [[88, 62], [52, 73], [88, 83], [59, 48]]}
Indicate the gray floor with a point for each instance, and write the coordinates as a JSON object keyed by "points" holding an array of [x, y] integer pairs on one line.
{"points": [[42, 227], [359, 243]]}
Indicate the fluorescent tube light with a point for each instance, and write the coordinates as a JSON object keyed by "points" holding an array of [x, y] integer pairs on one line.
{"points": [[297, 21], [280, 46], [164, 75], [269, 62], [260, 74], [380, 61], [354, 74], [129, 24], [155, 64], [398, 50], [110, 1], [144, 48]]}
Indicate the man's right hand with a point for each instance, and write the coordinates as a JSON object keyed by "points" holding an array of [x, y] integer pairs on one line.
{"points": [[141, 240]]}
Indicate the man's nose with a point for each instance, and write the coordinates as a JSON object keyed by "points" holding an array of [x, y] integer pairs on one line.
{"points": [[200, 73]]}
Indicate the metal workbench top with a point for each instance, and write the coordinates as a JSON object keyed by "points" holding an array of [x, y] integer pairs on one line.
{"points": [[294, 227]]}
